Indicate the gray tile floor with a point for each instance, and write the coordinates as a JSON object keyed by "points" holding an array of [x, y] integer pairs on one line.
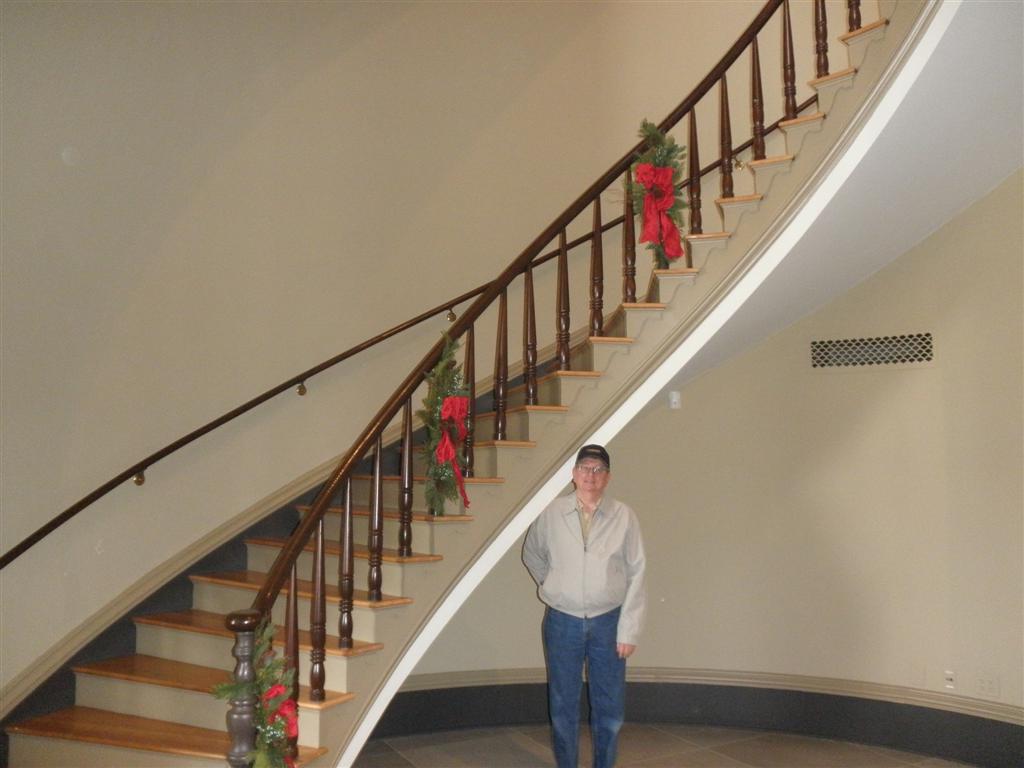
{"points": [[661, 746]]}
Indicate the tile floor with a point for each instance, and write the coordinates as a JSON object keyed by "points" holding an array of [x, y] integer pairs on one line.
{"points": [[661, 746]]}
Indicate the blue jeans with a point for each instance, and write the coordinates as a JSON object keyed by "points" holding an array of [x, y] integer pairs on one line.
{"points": [[568, 643]]}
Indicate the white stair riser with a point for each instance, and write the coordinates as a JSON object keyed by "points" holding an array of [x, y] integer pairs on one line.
{"points": [[37, 752], [176, 705], [215, 651], [261, 558]]}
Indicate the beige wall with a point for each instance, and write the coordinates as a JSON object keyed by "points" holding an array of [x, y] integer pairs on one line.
{"points": [[861, 524], [201, 199]]}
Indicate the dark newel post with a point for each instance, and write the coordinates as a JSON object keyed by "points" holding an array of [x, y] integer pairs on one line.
{"points": [[291, 645], [726, 139], [628, 247], [241, 717], [529, 338], [788, 64], [597, 274], [469, 373], [820, 39], [562, 332], [501, 368], [853, 14], [756, 101], [318, 618], [346, 579], [375, 538], [694, 186], [405, 486]]}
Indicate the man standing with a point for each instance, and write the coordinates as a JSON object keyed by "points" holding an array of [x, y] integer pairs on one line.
{"points": [[587, 556]]}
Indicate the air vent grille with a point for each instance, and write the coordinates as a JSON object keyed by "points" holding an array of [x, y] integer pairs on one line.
{"points": [[880, 350]]}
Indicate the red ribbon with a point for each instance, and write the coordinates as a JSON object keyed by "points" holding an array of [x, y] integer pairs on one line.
{"points": [[454, 408], [658, 226]]}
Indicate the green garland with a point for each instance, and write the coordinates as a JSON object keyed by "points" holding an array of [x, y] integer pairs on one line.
{"points": [[276, 714], [662, 152], [445, 380]]}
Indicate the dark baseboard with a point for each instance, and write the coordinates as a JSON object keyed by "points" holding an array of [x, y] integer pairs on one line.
{"points": [[948, 735]]}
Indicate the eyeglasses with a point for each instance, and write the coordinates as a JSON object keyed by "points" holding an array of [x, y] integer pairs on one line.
{"points": [[592, 470]]}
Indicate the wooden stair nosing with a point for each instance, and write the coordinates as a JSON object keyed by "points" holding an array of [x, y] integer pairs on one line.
{"points": [[505, 444], [98, 726], [769, 161], [253, 580], [210, 623], [814, 117], [359, 551], [739, 199], [831, 77], [390, 514], [610, 340], [422, 478], [846, 37], [170, 673]]}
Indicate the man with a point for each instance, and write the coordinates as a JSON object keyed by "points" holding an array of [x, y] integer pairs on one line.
{"points": [[587, 556]]}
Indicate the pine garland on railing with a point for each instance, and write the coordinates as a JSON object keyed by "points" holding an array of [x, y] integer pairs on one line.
{"points": [[658, 174], [276, 716], [444, 416]]}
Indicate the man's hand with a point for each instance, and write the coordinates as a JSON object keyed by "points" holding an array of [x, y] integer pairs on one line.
{"points": [[625, 650]]}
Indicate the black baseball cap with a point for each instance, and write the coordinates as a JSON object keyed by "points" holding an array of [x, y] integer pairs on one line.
{"points": [[594, 452]]}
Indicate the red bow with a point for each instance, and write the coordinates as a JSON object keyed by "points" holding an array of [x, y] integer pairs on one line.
{"points": [[455, 408], [658, 226]]}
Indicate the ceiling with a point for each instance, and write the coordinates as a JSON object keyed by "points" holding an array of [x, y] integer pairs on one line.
{"points": [[958, 133]]}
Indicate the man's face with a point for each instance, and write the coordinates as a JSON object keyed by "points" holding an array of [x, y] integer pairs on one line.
{"points": [[591, 476]]}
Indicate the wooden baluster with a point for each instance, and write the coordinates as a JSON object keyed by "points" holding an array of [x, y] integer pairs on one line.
{"points": [[241, 717], [694, 186], [788, 64], [405, 486], [346, 578], [529, 338], [756, 101], [628, 246], [291, 646], [375, 537], [725, 130], [853, 15], [318, 618], [597, 274], [820, 39], [562, 330], [469, 374], [501, 368]]}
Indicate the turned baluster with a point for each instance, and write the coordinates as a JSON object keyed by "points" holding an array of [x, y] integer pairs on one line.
{"points": [[694, 187], [820, 39], [375, 537], [628, 246], [291, 646], [597, 274], [853, 14], [529, 338], [756, 101], [469, 373], [241, 717], [405, 485], [788, 64], [725, 130], [346, 578], [501, 368], [562, 331], [318, 618]]}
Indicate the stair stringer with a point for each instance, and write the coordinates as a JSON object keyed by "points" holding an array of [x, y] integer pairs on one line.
{"points": [[633, 378]]}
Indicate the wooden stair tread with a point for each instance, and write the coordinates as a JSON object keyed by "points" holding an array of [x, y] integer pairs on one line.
{"points": [[422, 478], [254, 580], [189, 677], [776, 160], [680, 272], [610, 340], [833, 76], [418, 517], [505, 444], [573, 374], [738, 199], [210, 623], [643, 305], [811, 118], [864, 30], [98, 726], [709, 236], [333, 548]]}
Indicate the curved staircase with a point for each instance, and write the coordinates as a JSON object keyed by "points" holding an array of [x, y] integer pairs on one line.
{"points": [[153, 708]]}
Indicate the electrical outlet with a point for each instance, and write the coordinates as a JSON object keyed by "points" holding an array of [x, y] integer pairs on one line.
{"points": [[987, 685], [949, 680]]}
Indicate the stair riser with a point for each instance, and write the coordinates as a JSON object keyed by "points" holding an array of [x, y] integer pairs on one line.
{"points": [[35, 752], [732, 212], [765, 174], [172, 704], [423, 538], [666, 286], [856, 48], [700, 250], [636, 319], [827, 92], [520, 425], [488, 461], [795, 134], [215, 651], [478, 493], [261, 558], [553, 390]]}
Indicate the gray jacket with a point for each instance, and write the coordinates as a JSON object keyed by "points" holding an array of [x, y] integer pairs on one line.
{"points": [[590, 579]]}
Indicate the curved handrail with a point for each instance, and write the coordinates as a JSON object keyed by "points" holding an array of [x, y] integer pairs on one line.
{"points": [[241, 621]]}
